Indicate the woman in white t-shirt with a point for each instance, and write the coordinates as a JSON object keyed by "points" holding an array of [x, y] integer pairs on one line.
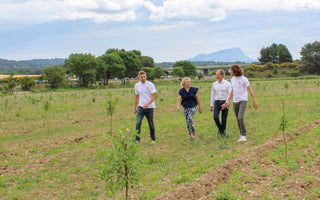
{"points": [[240, 84]]}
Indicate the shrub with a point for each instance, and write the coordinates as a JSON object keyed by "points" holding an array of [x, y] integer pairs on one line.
{"points": [[249, 74], [294, 73], [27, 82], [269, 75]]}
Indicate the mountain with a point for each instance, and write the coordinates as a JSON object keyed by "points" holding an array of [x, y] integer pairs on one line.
{"points": [[227, 55]]}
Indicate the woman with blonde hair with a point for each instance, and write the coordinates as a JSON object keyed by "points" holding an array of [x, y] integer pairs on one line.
{"points": [[188, 97]]}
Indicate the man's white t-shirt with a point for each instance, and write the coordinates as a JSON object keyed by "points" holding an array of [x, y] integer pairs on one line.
{"points": [[239, 87], [145, 91]]}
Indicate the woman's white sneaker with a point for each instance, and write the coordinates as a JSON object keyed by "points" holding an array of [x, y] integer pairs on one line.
{"points": [[242, 139]]}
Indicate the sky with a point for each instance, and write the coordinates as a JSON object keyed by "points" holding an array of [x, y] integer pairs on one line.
{"points": [[167, 30]]}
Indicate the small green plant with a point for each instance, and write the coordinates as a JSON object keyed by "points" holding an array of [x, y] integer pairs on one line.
{"points": [[111, 104], [283, 126], [286, 85], [121, 169], [46, 107]]}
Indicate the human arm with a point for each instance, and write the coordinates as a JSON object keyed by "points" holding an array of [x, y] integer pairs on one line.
{"points": [[227, 104], [212, 98], [255, 105], [178, 103], [153, 96], [136, 101], [198, 101]]}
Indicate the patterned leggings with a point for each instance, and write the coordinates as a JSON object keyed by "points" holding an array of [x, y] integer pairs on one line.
{"points": [[188, 115]]}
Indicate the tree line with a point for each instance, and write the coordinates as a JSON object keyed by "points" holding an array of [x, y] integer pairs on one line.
{"points": [[123, 65]]}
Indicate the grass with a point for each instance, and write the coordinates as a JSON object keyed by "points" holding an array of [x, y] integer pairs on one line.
{"points": [[61, 160]]}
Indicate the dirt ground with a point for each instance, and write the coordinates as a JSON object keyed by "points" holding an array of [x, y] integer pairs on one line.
{"points": [[203, 187]]}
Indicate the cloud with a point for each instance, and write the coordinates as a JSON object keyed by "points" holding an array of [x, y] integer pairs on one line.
{"points": [[99, 11], [214, 10], [39, 11]]}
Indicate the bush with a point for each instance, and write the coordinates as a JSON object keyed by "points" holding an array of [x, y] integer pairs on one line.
{"points": [[269, 75], [27, 82], [249, 74], [294, 73]]}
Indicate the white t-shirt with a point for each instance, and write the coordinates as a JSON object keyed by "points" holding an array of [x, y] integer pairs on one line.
{"points": [[220, 91], [239, 87], [145, 91]]}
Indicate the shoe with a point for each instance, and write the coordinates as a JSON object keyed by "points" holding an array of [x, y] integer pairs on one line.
{"points": [[191, 136], [153, 142], [242, 139], [137, 141]]}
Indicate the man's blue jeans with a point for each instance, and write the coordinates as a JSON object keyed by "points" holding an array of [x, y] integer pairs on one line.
{"points": [[149, 115], [224, 115]]}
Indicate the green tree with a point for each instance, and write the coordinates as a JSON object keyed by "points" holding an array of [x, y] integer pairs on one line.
{"points": [[200, 75], [147, 61], [132, 63], [177, 71], [113, 67], [275, 54], [112, 51], [111, 104], [55, 75], [310, 53], [121, 169], [157, 72], [149, 72], [84, 66], [189, 68], [27, 82]]}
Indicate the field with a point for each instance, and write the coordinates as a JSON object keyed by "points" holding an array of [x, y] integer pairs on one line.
{"points": [[55, 152]]}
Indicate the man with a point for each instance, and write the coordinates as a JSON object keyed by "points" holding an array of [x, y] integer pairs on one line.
{"points": [[219, 95], [145, 96]]}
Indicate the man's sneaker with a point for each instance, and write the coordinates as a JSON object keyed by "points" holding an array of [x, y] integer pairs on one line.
{"points": [[137, 141], [153, 142], [242, 139]]}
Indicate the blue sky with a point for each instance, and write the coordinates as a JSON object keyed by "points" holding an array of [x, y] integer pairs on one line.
{"points": [[167, 30]]}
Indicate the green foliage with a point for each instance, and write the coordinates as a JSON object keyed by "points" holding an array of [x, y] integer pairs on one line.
{"points": [[84, 66], [157, 72], [178, 71], [147, 61], [121, 169], [200, 75], [46, 107], [310, 53], [294, 73], [55, 75], [110, 105], [111, 66], [275, 54], [132, 63], [27, 82], [189, 68]]}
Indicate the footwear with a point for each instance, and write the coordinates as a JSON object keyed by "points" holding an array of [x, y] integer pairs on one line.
{"points": [[153, 142], [137, 141], [191, 136], [242, 139]]}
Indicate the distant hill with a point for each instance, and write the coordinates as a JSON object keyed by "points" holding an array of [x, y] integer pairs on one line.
{"points": [[31, 63], [28, 66], [226, 55]]}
